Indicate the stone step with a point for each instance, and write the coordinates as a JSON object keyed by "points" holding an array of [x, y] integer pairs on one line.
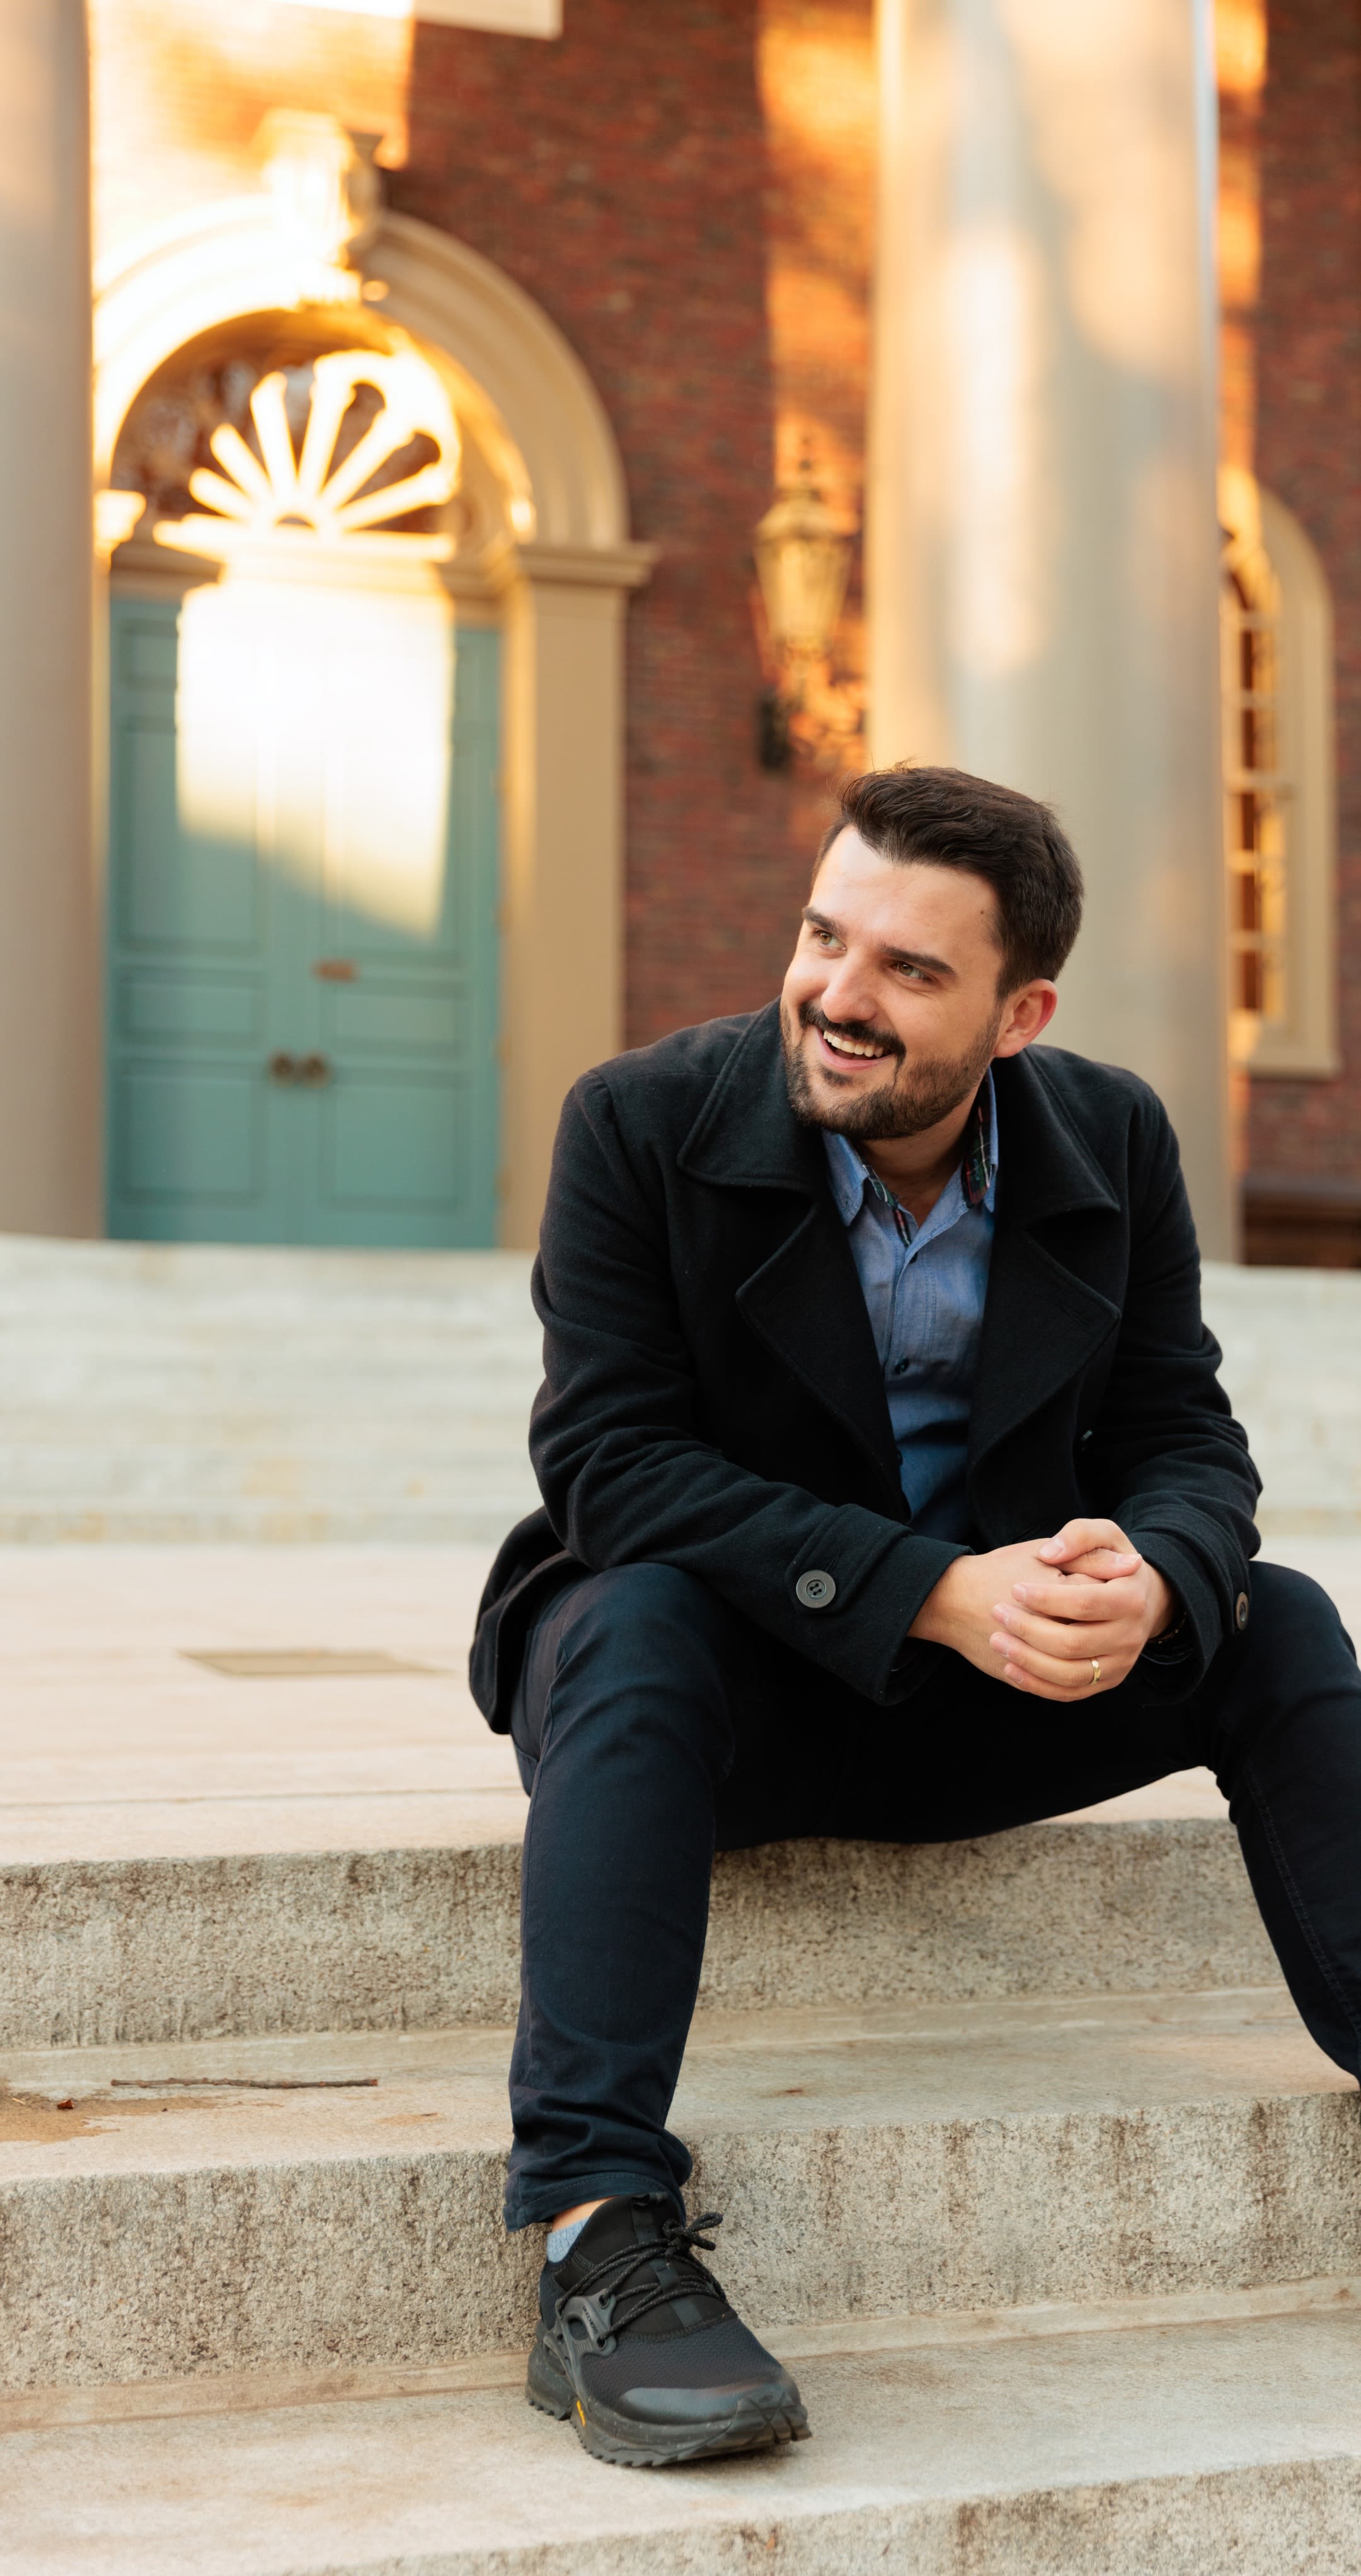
{"points": [[884, 2161], [288, 1505], [100, 1943], [208, 1392], [1155, 2450], [217, 1392]]}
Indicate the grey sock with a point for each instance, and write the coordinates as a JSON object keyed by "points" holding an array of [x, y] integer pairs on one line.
{"points": [[562, 2239]]}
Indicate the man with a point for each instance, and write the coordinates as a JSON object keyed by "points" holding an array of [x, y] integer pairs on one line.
{"points": [[889, 1492]]}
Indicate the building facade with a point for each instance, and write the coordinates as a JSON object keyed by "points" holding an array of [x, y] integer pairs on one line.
{"points": [[445, 369]]}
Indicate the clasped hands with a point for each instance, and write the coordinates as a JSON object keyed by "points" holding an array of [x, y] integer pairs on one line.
{"points": [[1039, 1615]]}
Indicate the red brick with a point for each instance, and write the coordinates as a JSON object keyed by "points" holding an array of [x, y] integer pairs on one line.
{"points": [[626, 178], [1309, 451]]}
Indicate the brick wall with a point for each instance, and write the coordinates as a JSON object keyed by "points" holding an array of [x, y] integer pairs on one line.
{"points": [[179, 87], [710, 269], [1308, 442], [688, 190]]}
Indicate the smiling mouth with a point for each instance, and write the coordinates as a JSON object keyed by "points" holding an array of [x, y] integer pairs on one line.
{"points": [[863, 1050]]}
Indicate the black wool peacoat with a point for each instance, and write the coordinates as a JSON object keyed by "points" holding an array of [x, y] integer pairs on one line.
{"points": [[712, 1396]]}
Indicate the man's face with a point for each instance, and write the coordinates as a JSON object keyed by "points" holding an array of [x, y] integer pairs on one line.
{"points": [[890, 1010]]}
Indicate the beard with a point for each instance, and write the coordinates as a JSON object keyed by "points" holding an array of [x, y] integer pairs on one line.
{"points": [[910, 1100]]}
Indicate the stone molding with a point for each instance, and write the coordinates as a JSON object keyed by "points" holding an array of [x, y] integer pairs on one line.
{"points": [[515, 380], [1308, 1042]]}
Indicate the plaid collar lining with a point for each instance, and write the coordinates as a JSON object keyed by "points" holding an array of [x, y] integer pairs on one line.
{"points": [[977, 1170]]}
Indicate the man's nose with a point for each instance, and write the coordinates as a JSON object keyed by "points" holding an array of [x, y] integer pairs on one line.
{"points": [[847, 995]]}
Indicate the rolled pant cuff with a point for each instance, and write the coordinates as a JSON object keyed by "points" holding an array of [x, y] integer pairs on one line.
{"points": [[536, 2204]]}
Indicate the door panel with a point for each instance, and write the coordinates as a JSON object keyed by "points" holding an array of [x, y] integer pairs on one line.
{"points": [[185, 1136], [389, 1142], [179, 889], [187, 1007], [393, 1017], [303, 862], [411, 1030], [189, 1114]]}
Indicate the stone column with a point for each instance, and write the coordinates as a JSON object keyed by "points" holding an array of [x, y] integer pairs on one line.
{"points": [[49, 1027], [563, 833], [1042, 537]]}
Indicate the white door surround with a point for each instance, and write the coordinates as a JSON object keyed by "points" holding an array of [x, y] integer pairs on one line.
{"points": [[557, 571]]}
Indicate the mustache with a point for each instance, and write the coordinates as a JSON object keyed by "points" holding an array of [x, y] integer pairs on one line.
{"points": [[810, 1017]]}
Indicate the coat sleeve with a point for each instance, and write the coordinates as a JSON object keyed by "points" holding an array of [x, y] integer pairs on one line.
{"points": [[1167, 1459], [625, 1475]]}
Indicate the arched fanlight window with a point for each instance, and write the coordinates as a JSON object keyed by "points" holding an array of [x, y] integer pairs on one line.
{"points": [[1279, 795]]}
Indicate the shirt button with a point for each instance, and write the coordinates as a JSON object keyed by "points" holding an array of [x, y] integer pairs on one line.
{"points": [[815, 1589], [1240, 1611]]}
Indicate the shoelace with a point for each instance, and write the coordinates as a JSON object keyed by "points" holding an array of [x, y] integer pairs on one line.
{"points": [[675, 2245]]}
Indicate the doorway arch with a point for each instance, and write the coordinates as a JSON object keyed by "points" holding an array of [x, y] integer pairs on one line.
{"points": [[552, 566]]}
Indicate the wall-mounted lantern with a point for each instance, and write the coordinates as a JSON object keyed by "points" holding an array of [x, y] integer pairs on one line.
{"points": [[803, 561]]}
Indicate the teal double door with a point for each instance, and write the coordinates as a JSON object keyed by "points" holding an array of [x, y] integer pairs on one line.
{"points": [[302, 919]]}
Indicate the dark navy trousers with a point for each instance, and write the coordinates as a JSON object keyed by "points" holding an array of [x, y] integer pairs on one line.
{"points": [[654, 1725]]}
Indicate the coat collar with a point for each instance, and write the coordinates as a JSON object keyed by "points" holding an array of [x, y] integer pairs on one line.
{"points": [[747, 1137], [1042, 1322]]}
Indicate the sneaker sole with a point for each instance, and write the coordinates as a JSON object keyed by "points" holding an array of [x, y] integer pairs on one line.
{"points": [[620, 2441]]}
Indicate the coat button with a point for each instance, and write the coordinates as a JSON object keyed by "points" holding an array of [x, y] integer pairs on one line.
{"points": [[816, 1588], [1240, 1611]]}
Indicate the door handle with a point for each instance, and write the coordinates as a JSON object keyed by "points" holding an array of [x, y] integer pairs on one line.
{"points": [[308, 1070]]}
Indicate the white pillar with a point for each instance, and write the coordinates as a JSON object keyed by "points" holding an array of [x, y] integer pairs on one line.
{"points": [[563, 840], [1042, 537], [49, 1034]]}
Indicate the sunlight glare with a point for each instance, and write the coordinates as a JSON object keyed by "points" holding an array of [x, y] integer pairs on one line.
{"points": [[314, 724], [1104, 81], [992, 293]]}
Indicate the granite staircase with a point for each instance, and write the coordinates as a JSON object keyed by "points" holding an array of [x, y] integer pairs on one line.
{"points": [[1026, 2164], [169, 1392]]}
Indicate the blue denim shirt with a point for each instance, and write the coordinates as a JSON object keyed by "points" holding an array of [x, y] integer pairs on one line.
{"points": [[924, 1286]]}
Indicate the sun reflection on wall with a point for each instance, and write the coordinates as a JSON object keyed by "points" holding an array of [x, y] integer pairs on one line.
{"points": [[1241, 63]]}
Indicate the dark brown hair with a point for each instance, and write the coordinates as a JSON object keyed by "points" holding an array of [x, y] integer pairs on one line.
{"points": [[947, 819]]}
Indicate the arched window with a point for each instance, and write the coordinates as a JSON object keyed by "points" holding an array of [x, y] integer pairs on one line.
{"points": [[1279, 796]]}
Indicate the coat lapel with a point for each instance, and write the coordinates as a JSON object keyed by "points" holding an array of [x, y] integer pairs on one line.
{"points": [[806, 1304], [1042, 1322], [803, 1300]]}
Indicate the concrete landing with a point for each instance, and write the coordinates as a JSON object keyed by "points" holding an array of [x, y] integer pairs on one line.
{"points": [[1161, 2451], [116, 1741]]}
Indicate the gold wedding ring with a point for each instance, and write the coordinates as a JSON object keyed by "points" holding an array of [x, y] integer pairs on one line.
{"points": [[1096, 1670]]}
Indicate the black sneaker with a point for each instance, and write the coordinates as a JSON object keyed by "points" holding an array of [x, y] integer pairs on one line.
{"points": [[638, 2345]]}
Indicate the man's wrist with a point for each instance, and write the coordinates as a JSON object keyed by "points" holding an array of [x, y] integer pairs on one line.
{"points": [[1175, 1638], [933, 1624]]}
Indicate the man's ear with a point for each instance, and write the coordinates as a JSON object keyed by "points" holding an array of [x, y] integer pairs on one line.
{"points": [[1026, 1013]]}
